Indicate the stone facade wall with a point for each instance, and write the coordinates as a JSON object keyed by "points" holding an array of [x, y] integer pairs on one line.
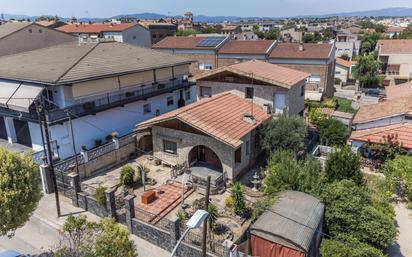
{"points": [[263, 94], [186, 141], [88, 203], [200, 58]]}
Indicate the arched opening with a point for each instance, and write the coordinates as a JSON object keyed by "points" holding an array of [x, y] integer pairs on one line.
{"points": [[203, 156], [146, 144]]}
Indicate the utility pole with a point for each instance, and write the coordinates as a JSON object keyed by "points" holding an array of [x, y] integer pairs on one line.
{"points": [[41, 112], [73, 143], [205, 222]]}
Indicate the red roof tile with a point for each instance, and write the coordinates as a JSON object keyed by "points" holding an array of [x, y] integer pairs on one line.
{"points": [[264, 71], [344, 63], [401, 46], [394, 29], [397, 91], [96, 27], [402, 133], [310, 51], [247, 47], [220, 117]]}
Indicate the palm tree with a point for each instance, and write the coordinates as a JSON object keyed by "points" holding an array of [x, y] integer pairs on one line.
{"points": [[238, 198], [212, 218]]}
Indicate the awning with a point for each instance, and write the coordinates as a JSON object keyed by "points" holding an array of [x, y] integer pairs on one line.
{"points": [[18, 96]]}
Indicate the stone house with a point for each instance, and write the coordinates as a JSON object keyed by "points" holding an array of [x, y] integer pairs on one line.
{"points": [[215, 136], [17, 37], [270, 86]]}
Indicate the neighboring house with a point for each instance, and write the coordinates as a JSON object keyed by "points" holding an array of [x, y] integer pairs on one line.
{"points": [[345, 48], [385, 113], [236, 51], [397, 91], [159, 31], [105, 87], [396, 56], [231, 30], [394, 31], [215, 136], [17, 37], [131, 33], [202, 49], [347, 42], [398, 133], [292, 227], [273, 87], [343, 69], [292, 35], [315, 59], [52, 24]]}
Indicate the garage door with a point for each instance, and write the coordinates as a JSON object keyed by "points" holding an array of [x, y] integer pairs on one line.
{"points": [[22, 132], [3, 132]]}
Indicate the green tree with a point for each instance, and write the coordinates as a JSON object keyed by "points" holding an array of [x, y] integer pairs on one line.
{"points": [[349, 210], [366, 71], [333, 132], [283, 133], [19, 190], [212, 218], [81, 238], [397, 172], [345, 57], [342, 164], [369, 41], [237, 193], [348, 246]]}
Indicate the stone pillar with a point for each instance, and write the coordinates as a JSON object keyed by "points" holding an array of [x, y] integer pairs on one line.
{"points": [[85, 155], [130, 212], [116, 143], [174, 232], [111, 204], [74, 181], [11, 131], [46, 179], [227, 245]]}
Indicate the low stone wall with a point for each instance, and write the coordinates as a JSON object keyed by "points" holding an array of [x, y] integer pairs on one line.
{"points": [[90, 204]]}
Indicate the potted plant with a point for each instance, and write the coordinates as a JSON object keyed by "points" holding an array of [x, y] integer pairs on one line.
{"points": [[84, 148], [98, 142]]}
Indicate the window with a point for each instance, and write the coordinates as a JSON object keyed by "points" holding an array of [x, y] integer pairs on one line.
{"points": [[30, 31], [187, 94], [337, 73], [302, 90], [169, 147], [314, 78], [40, 31], [205, 66], [147, 108], [238, 155], [205, 91], [170, 100], [134, 37], [249, 92]]}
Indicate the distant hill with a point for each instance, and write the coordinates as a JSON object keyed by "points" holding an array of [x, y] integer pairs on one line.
{"points": [[389, 12]]}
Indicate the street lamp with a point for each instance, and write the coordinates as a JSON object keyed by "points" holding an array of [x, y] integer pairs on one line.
{"points": [[194, 222]]}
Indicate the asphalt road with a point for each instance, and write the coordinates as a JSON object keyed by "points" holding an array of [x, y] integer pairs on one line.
{"points": [[35, 237]]}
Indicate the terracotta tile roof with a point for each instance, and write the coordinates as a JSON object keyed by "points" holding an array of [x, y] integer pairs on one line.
{"points": [[230, 27], [263, 71], [220, 117], [394, 29], [389, 108], [180, 43], [247, 47], [402, 133], [397, 91], [344, 63], [311, 51], [96, 27], [400, 46]]}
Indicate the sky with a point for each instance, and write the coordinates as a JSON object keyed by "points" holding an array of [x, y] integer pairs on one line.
{"points": [[269, 8]]}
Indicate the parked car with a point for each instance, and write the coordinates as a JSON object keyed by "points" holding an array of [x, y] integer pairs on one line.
{"points": [[374, 92], [10, 253]]}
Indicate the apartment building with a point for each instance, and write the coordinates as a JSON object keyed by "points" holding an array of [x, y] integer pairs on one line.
{"points": [[17, 37], [131, 32], [103, 87], [159, 30]]}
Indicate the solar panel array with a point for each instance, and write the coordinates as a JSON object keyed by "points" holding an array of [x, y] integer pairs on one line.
{"points": [[211, 41]]}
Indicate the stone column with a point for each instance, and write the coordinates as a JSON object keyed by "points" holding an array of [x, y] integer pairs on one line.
{"points": [[130, 212], [74, 181], [174, 232], [11, 131], [85, 155], [111, 204], [46, 179]]}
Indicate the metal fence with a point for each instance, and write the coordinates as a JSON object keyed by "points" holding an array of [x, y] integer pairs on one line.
{"points": [[195, 239]]}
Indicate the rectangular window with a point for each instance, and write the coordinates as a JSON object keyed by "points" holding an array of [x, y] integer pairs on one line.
{"points": [[169, 147], [302, 90], [205, 66], [238, 155], [170, 100], [249, 92], [314, 78], [205, 91], [187, 94], [147, 108]]}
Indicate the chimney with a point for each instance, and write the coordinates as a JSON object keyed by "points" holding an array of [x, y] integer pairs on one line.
{"points": [[247, 117], [301, 47]]}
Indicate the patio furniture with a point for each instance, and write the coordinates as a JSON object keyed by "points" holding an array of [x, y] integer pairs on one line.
{"points": [[148, 197]]}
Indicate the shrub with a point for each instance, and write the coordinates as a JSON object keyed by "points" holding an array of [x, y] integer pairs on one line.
{"points": [[213, 215], [229, 203], [338, 81], [399, 170], [237, 193], [261, 206], [181, 216], [100, 195], [316, 116], [343, 164], [333, 132], [127, 174], [344, 105], [329, 103], [347, 246]]}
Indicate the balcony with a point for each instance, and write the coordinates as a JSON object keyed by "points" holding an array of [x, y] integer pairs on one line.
{"points": [[116, 99]]}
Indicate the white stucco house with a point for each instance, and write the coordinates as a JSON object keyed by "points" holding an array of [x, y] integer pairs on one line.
{"points": [[105, 87]]}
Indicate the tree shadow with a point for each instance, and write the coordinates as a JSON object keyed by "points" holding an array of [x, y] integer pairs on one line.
{"points": [[395, 251]]}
